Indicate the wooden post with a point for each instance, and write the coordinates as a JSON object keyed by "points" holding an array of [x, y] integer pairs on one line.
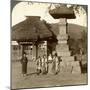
{"points": [[22, 50], [36, 51]]}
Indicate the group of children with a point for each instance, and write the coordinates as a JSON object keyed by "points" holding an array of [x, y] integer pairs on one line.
{"points": [[42, 65], [46, 64]]}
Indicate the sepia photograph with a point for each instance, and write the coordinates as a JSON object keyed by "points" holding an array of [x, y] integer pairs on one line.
{"points": [[49, 44]]}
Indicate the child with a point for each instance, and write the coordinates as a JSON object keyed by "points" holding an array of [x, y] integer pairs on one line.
{"points": [[39, 64], [44, 64], [24, 62]]}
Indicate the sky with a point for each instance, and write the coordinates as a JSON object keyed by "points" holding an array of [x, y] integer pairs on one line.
{"points": [[23, 9]]}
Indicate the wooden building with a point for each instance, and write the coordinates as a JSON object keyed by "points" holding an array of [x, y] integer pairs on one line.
{"points": [[32, 36]]}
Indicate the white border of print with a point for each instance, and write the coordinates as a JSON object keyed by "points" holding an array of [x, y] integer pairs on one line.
{"points": [[5, 44]]}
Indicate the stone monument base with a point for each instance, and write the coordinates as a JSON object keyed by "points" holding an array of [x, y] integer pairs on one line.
{"points": [[72, 67]]}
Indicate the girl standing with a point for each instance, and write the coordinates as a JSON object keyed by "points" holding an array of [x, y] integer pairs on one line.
{"points": [[24, 62], [39, 65]]}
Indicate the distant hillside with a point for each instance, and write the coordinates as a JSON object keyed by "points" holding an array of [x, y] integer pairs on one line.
{"points": [[74, 31]]}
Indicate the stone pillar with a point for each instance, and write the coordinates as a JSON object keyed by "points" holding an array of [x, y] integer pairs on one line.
{"points": [[62, 47], [68, 64]]}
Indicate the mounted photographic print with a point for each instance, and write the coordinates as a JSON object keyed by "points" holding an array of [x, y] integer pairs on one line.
{"points": [[48, 44]]}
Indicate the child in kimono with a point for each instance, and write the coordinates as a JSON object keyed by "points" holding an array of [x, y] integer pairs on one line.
{"points": [[39, 65]]}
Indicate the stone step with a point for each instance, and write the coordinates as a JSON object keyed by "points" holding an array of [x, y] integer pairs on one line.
{"points": [[70, 67], [66, 64], [76, 68], [66, 67], [67, 58], [62, 53], [76, 63]]}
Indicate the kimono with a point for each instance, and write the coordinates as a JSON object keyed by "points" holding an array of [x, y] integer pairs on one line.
{"points": [[50, 64], [44, 65], [55, 67], [39, 64], [24, 62], [57, 64]]}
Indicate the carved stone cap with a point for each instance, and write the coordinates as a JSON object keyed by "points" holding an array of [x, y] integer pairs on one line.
{"points": [[62, 12]]}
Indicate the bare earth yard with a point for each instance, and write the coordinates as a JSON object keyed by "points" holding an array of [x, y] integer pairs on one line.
{"points": [[33, 80]]}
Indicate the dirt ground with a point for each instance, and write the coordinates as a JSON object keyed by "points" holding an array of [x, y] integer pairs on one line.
{"points": [[32, 80]]}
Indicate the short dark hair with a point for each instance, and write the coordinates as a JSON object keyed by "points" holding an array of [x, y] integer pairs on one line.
{"points": [[55, 54], [24, 53]]}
